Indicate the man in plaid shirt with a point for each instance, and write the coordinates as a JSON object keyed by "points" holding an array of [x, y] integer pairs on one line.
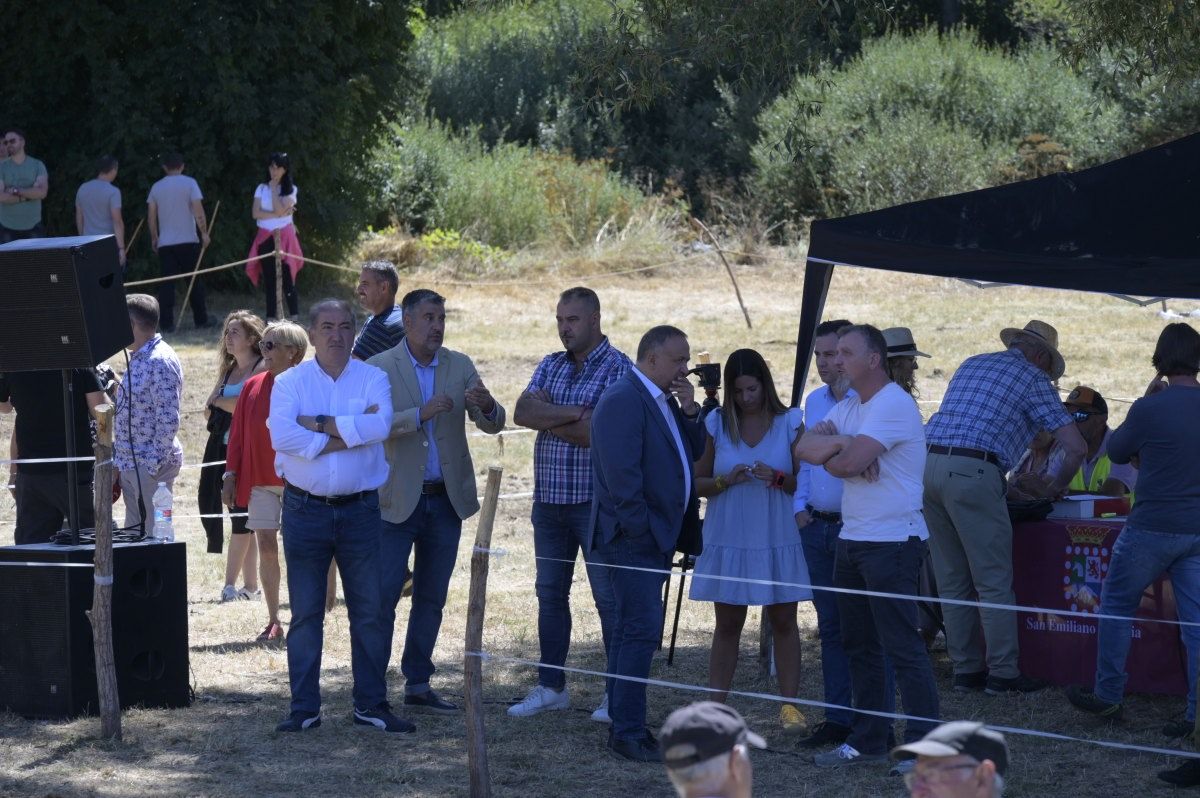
{"points": [[558, 403], [994, 406]]}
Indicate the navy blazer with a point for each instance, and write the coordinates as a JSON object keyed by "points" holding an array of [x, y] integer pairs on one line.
{"points": [[637, 476]]}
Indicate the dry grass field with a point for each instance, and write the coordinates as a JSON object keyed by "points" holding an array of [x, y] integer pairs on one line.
{"points": [[224, 745]]}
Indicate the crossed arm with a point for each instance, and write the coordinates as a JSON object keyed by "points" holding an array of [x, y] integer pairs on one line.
{"points": [[842, 455], [572, 423]]}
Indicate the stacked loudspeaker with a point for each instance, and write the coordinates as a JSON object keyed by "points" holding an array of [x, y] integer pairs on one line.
{"points": [[63, 306]]}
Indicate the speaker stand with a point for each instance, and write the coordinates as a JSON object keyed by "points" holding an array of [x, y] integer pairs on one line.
{"points": [[72, 467]]}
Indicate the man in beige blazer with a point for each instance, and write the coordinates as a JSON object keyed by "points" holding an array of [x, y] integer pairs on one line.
{"points": [[431, 481]]}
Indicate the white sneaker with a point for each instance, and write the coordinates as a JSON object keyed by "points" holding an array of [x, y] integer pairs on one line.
{"points": [[601, 713], [229, 593], [246, 595], [540, 699], [845, 754]]}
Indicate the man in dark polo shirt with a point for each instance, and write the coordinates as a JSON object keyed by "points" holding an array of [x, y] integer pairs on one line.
{"points": [[378, 283], [41, 489]]}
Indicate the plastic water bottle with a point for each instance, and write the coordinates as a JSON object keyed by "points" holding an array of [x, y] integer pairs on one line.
{"points": [[164, 529]]}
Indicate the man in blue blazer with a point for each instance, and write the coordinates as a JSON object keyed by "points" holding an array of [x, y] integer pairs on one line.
{"points": [[643, 447]]}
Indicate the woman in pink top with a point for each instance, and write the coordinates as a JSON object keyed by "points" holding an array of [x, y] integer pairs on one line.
{"points": [[250, 480]]}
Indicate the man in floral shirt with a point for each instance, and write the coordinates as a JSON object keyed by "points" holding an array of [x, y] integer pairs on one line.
{"points": [[145, 448]]}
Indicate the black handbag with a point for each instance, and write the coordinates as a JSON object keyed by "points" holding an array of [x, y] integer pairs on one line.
{"points": [[219, 420]]}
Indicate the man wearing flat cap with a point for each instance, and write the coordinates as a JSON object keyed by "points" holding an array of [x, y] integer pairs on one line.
{"points": [[961, 759], [705, 748], [994, 406], [1098, 474]]}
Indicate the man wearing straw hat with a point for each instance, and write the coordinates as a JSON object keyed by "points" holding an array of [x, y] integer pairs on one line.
{"points": [[992, 409]]}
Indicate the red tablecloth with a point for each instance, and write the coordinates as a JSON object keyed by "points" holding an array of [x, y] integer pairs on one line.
{"points": [[1061, 564]]}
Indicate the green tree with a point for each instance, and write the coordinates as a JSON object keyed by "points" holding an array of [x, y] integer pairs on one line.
{"points": [[224, 82]]}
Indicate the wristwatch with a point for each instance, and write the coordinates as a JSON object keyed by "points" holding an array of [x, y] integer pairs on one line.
{"points": [[321, 424], [227, 475]]}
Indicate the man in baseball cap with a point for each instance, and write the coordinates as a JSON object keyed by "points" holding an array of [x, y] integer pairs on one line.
{"points": [[705, 748], [962, 759]]}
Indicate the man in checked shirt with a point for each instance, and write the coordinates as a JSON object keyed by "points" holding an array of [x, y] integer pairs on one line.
{"points": [[994, 406], [558, 403]]}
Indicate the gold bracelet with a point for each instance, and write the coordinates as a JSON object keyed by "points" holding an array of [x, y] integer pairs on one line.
{"points": [[720, 483]]}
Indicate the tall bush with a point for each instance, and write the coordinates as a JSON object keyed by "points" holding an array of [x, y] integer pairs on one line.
{"points": [[958, 108]]}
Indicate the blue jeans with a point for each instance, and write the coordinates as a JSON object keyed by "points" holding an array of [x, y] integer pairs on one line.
{"points": [[559, 532], [1139, 557], [431, 533], [313, 534], [873, 627], [638, 625], [820, 547]]}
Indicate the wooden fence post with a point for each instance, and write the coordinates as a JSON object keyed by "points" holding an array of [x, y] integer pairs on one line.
{"points": [[187, 295], [279, 267], [100, 615], [481, 783]]}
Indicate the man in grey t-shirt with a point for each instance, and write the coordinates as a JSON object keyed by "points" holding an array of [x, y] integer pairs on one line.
{"points": [[98, 205], [175, 213]]}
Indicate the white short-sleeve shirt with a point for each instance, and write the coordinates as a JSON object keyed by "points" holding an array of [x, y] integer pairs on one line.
{"points": [[265, 200], [888, 510]]}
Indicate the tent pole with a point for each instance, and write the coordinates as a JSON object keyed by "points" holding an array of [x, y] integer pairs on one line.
{"points": [[817, 277]]}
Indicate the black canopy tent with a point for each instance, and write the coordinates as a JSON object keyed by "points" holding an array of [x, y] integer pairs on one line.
{"points": [[1129, 227]]}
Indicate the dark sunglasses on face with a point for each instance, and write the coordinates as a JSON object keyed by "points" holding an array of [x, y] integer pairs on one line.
{"points": [[1081, 415], [270, 346]]}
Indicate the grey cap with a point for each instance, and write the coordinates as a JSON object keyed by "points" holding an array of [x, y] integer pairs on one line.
{"points": [[959, 737]]}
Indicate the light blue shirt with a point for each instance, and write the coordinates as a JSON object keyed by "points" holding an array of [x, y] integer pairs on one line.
{"points": [[814, 485], [433, 463]]}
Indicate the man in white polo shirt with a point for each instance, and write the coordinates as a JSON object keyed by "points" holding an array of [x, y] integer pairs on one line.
{"points": [[875, 443]]}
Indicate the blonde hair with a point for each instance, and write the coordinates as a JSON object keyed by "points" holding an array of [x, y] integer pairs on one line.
{"points": [[289, 333], [253, 327]]}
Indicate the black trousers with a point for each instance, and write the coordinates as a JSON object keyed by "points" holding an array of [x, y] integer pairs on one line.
{"points": [[208, 495], [8, 235], [268, 281], [42, 504], [180, 259]]}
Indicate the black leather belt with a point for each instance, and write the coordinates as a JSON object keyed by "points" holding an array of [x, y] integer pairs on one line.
{"points": [[433, 488], [829, 518], [333, 501], [959, 451]]}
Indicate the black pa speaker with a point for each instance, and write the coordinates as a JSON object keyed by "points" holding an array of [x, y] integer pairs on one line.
{"points": [[47, 663], [63, 303]]}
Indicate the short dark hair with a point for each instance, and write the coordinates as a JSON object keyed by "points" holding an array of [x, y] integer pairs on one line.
{"points": [[875, 341], [385, 270], [831, 327], [419, 295], [18, 131], [144, 310], [105, 163], [1177, 353], [329, 303], [585, 295], [656, 337], [173, 160]]}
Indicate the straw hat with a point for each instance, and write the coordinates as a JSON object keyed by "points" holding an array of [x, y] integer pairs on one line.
{"points": [[1039, 332], [900, 343]]}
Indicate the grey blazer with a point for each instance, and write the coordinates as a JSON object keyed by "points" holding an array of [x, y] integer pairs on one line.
{"points": [[407, 446]]}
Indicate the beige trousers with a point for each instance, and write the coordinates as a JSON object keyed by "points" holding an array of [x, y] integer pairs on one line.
{"points": [[970, 538]]}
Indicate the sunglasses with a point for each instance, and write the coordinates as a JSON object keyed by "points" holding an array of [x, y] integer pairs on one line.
{"points": [[271, 346], [1082, 415]]}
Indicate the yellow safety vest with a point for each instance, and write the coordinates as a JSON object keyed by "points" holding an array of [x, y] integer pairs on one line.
{"points": [[1099, 477]]}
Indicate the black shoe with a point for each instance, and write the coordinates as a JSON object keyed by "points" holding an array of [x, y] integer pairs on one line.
{"points": [[381, 718], [643, 750], [826, 734], [1186, 775], [1179, 728], [1017, 684], [429, 701], [970, 682], [1082, 698], [299, 721]]}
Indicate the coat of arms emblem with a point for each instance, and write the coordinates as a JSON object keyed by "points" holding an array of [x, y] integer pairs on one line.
{"points": [[1086, 566]]}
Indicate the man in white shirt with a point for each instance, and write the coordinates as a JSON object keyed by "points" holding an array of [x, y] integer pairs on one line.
{"points": [[178, 227], [98, 206], [329, 418], [875, 443]]}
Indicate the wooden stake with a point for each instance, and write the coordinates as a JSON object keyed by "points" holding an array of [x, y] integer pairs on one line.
{"points": [[188, 294], [481, 783], [279, 304], [100, 616], [696, 223], [133, 238]]}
